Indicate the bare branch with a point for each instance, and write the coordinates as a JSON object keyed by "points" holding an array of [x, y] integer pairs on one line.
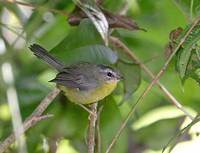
{"points": [[98, 130], [91, 128], [34, 118], [86, 109]]}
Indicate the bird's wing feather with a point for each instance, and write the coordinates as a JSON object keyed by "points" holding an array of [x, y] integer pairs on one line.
{"points": [[74, 77]]}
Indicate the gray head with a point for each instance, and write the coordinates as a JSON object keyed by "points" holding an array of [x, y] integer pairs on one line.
{"points": [[107, 73]]}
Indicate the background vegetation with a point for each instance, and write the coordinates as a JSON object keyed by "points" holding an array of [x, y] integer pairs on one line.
{"points": [[155, 120]]}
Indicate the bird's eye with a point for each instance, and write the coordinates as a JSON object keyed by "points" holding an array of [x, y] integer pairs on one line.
{"points": [[109, 74]]}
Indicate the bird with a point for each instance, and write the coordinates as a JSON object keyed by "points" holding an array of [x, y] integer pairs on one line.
{"points": [[82, 82]]}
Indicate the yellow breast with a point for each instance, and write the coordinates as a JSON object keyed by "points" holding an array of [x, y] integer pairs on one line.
{"points": [[89, 96]]}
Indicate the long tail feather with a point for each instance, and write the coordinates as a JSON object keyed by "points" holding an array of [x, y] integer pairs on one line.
{"points": [[43, 54]]}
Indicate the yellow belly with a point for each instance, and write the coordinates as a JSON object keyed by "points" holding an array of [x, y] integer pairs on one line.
{"points": [[89, 96]]}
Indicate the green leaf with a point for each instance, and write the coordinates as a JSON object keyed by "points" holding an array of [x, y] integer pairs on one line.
{"points": [[84, 44], [96, 16], [53, 32], [132, 77], [184, 53], [156, 135], [183, 61], [33, 23], [113, 5], [193, 68], [110, 121], [30, 91], [84, 34], [157, 114], [91, 53], [185, 5]]}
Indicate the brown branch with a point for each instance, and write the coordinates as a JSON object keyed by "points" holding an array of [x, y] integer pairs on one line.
{"points": [[155, 79], [91, 128], [86, 109], [34, 118], [32, 6], [115, 41], [98, 130]]}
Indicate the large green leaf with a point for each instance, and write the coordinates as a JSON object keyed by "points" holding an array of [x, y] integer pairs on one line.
{"points": [[185, 5], [156, 135], [95, 14], [110, 121], [84, 44], [84, 34], [30, 91], [54, 32], [113, 5], [33, 23], [158, 114], [89, 53], [132, 77]]}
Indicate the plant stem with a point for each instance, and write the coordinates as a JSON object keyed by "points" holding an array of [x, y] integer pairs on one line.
{"points": [[98, 130], [91, 129]]}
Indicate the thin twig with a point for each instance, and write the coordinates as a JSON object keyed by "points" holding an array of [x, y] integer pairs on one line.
{"points": [[36, 7], [131, 54], [86, 109], [98, 130], [91, 128], [34, 118], [117, 135]]}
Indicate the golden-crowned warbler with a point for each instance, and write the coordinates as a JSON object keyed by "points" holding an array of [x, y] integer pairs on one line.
{"points": [[83, 82]]}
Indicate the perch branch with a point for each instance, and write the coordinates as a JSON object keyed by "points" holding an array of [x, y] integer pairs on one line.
{"points": [[34, 118], [98, 130], [86, 109], [148, 88], [91, 129]]}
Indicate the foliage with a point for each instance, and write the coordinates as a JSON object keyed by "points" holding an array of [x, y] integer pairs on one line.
{"points": [[187, 61]]}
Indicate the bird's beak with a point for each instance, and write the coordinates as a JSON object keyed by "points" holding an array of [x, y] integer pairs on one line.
{"points": [[120, 77]]}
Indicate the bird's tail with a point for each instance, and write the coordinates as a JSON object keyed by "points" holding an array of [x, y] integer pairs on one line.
{"points": [[43, 54]]}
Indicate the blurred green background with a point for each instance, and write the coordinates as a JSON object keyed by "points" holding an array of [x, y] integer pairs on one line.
{"points": [[155, 121]]}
